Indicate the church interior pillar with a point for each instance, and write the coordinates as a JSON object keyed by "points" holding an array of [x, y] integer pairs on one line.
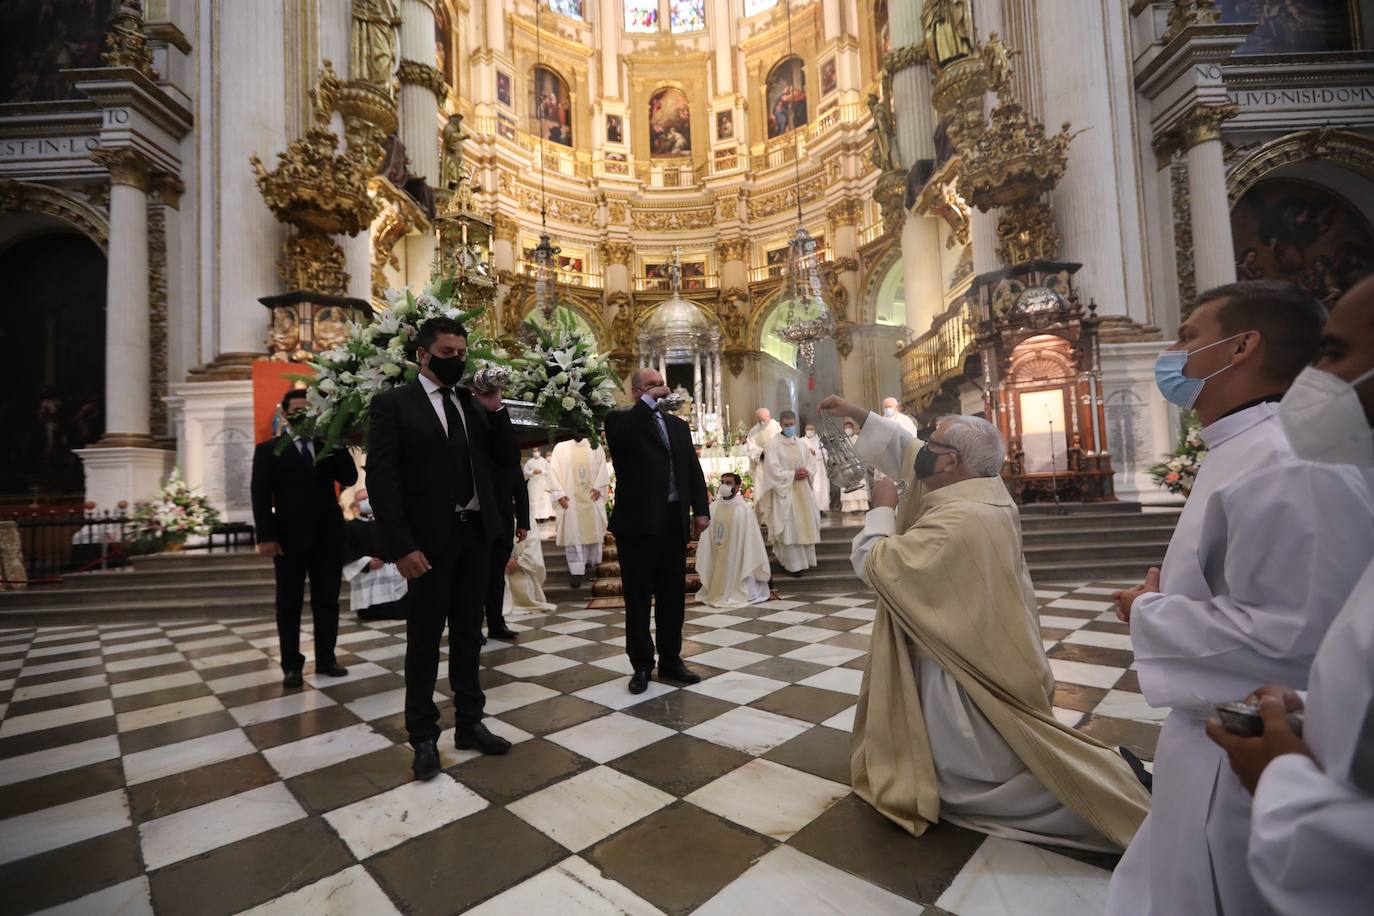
{"points": [[126, 332], [421, 86], [1214, 260]]}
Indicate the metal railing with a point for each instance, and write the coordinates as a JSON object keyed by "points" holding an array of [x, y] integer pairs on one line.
{"points": [[939, 353], [567, 277], [662, 284], [61, 542]]}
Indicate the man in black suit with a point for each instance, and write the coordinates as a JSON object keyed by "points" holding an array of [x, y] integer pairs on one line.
{"points": [[513, 508], [434, 450], [300, 526], [660, 495]]}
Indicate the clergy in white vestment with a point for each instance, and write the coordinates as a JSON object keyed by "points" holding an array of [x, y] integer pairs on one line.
{"points": [[764, 430], [820, 480], [855, 500], [1311, 842], [376, 588], [1267, 549], [788, 505], [578, 481], [525, 574], [892, 410], [537, 482], [732, 559], [955, 719]]}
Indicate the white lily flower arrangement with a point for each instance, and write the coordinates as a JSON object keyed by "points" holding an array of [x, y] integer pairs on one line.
{"points": [[176, 513], [570, 384], [1178, 471], [378, 356]]}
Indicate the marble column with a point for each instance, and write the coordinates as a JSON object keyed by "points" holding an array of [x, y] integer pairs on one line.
{"points": [[609, 18], [697, 381], [1214, 259], [832, 19], [987, 18], [722, 24], [422, 89], [911, 87]]}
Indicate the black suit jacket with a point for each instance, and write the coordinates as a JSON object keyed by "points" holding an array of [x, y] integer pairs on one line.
{"points": [[294, 502], [411, 477], [641, 472]]}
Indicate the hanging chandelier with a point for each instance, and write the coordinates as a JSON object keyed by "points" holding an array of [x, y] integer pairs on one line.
{"points": [[545, 274], [806, 315]]}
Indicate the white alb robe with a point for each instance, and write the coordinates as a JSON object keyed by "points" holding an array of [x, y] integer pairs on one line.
{"points": [[855, 500], [757, 440], [789, 507], [370, 587], [525, 586], [1264, 555], [1312, 829], [983, 784], [537, 482], [732, 559], [820, 479], [576, 469]]}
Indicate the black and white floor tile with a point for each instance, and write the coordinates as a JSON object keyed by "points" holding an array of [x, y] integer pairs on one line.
{"points": [[162, 768]]}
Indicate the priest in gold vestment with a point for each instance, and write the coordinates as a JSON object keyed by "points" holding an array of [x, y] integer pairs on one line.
{"points": [[732, 559], [954, 719], [578, 483]]}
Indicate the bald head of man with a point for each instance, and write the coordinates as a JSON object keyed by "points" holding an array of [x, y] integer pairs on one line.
{"points": [[890, 407], [647, 380], [763, 415]]}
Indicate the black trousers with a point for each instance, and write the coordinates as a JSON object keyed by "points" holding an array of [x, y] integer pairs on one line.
{"points": [[323, 563], [450, 593], [653, 568], [496, 579]]}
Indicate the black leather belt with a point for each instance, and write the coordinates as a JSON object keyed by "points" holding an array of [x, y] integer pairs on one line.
{"points": [[469, 515]]}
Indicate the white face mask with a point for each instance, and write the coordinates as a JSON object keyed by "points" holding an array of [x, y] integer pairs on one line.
{"points": [[889, 411], [1325, 421], [810, 434], [726, 490]]}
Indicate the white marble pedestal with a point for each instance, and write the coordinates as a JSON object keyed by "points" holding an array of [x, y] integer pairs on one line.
{"points": [[213, 423], [123, 474]]}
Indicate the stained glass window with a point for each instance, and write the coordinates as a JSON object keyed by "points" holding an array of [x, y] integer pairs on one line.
{"points": [[687, 15], [758, 6], [571, 8], [641, 15]]}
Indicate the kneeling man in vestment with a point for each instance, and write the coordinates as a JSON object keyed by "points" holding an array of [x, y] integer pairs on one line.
{"points": [[732, 559], [955, 719]]}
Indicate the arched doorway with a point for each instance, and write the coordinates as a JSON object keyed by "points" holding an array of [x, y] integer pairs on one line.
{"points": [[52, 380]]}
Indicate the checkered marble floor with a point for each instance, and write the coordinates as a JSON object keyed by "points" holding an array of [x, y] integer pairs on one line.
{"points": [[162, 768]]}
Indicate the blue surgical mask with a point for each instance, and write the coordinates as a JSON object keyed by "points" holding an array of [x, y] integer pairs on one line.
{"points": [[1176, 387], [790, 431]]}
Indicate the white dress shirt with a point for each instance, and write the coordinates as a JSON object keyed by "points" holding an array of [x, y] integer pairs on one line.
{"points": [[436, 400]]}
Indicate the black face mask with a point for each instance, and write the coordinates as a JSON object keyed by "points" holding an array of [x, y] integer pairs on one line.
{"points": [[295, 418], [447, 369], [925, 462]]}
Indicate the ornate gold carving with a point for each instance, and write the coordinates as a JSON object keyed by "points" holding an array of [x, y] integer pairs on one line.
{"points": [[618, 211], [1183, 232], [397, 216], [126, 45], [785, 198], [846, 264], [572, 211], [617, 253], [1165, 147], [884, 131], [505, 228], [736, 249], [623, 324], [1190, 12], [126, 166], [671, 220], [898, 59], [1351, 151], [733, 314], [940, 197], [1013, 163], [847, 212], [414, 73], [728, 207], [157, 320], [21, 197], [1203, 123], [958, 97], [284, 336], [948, 28], [314, 261], [890, 193], [166, 188], [451, 153]]}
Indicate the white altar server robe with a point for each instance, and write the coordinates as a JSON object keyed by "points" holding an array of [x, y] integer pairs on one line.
{"points": [[1265, 553], [732, 559], [820, 480], [1312, 829], [538, 485], [576, 469]]}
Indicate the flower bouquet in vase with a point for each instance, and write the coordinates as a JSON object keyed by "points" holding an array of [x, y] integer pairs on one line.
{"points": [[165, 522], [1177, 472], [569, 384]]}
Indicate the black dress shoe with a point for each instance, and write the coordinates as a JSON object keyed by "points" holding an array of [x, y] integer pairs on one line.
{"points": [[479, 737], [639, 681], [333, 669], [292, 679], [677, 671], [576, 582], [505, 633], [426, 763]]}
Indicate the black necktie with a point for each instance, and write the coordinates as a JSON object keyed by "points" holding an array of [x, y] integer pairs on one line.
{"points": [[661, 425], [458, 441], [304, 446]]}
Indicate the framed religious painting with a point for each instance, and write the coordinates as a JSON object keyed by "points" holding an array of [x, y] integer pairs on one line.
{"points": [[505, 126], [1295, 26], [725, 124], [503, 90], [829, 77], [670, 124], [785, 94], [552, 106], [615, 128]]}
